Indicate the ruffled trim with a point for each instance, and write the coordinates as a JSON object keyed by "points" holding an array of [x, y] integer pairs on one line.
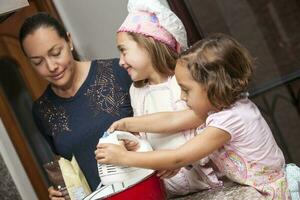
{"points": [[122, 29]]}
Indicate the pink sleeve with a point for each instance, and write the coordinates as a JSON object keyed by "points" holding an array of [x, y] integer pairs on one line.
{"points": [[228, 121]]}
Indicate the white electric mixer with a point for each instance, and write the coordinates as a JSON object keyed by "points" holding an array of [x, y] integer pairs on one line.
{"points": [[118, 178]]}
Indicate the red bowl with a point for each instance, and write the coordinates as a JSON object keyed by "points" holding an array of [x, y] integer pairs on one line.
{"points": [[152, 188]]}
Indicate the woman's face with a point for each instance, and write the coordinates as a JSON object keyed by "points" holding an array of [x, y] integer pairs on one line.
{"points": [[134, 58], [51, 56]]}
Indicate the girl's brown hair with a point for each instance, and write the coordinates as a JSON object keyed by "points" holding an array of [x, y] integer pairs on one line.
{"points": [[222, 65], [162, 57]]}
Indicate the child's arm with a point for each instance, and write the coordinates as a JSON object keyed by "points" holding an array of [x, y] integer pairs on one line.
{"points": [[162, 122], [195, 149]]}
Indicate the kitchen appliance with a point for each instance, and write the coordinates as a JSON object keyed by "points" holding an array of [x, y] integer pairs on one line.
{"points": [[121, 182]]}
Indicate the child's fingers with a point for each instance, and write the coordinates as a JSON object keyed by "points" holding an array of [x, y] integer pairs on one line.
{"points": [[112, 127], [100, 156], [117, 125], [160, 172], [130, 142], [122, 143], [163, 173], [101, 145], [101, 151], [131, 145], [167, 173], [173, 172]]}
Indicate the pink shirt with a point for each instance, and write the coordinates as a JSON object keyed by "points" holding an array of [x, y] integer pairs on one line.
{"points": [[252, 156]]}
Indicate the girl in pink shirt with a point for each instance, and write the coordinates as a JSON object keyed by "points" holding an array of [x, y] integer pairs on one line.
{"points": [[213, 75]]}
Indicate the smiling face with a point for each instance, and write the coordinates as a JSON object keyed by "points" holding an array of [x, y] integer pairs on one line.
{"points": [[134, 58], [192, 92], [50, 55]]}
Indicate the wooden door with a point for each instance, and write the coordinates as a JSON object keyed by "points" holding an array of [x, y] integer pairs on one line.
{"points": [[33, 84]]}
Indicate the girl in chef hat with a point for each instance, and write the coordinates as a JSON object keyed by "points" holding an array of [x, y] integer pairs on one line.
{"points": [[149, 41]]}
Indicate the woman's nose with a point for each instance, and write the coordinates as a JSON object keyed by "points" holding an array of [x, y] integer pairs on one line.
{"points": [[51, 65]]}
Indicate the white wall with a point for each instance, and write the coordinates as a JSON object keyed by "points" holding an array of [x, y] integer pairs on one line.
{"points": [[93, 24], [14, 166]]}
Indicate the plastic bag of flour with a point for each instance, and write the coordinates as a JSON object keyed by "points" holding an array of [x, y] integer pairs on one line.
{"points": [[67, 177]]}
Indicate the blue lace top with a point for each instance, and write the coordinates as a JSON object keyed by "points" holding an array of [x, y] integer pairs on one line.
{"points": [[73, 126]]}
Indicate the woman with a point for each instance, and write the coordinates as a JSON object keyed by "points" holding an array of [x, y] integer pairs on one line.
{"points": [[82, 98]]}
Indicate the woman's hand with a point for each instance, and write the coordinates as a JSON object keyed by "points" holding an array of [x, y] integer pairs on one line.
{"points": [[55, 194], [110, 154], [167, 173]]}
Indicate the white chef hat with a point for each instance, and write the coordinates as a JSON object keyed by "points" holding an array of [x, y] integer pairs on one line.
{"points": [[151, 18]]}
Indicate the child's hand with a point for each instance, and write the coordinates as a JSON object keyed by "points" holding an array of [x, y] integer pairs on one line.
{"points": [[121, 125], [117, 125], [130, 145], [110, 154], [167, 173]]}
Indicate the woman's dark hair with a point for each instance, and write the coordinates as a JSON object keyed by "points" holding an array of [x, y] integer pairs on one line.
{"points": [[41, 19], [222, 66]]}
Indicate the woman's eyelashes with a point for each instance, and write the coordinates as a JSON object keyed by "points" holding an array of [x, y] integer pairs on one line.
{"points": [[56, 52], [37, 62]]}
